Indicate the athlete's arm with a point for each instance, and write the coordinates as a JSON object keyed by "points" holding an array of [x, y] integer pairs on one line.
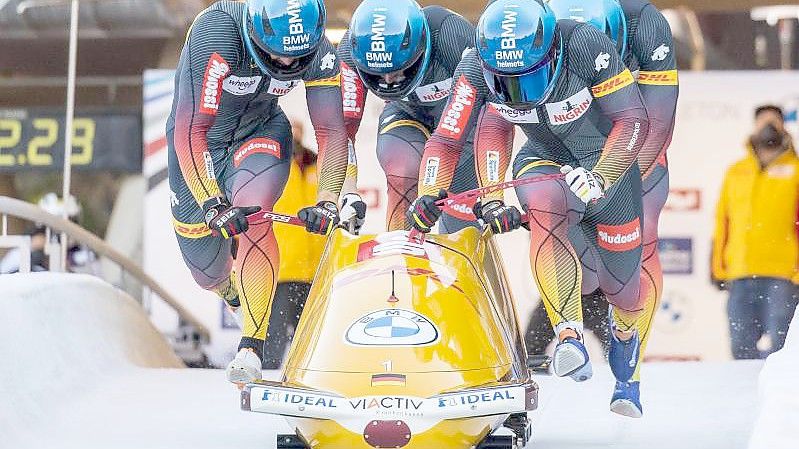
{"points": [[657, 81], [443, 149], [353, 91], [353, 101], [493, 139], [493, 145], [323, 95], [212, 47], [615, 92]]}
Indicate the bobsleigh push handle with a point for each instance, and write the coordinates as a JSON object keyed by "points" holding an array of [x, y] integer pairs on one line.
{"points": [[474, 193], [418, 236], [274, 217]]}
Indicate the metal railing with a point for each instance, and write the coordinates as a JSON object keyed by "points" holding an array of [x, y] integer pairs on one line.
{"points": [[31, 212]]}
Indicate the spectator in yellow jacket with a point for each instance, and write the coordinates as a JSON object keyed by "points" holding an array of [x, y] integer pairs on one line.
{"points": [[755, 245], [300, 252]]}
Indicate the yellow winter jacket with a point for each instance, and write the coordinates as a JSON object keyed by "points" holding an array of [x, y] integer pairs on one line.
{"points": [[299, 251], [756, 220]]}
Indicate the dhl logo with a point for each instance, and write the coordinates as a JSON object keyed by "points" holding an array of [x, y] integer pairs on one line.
{"points": [[191, 230], [662, 78], [332, 81], [618, 82]]}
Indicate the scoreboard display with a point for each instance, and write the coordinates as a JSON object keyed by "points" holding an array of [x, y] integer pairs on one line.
{"points": [[33, 139]]}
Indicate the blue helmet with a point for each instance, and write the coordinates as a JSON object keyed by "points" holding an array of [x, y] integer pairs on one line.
{"points": [[606, 15], [520, 51], [284, 28], [390, 36]]}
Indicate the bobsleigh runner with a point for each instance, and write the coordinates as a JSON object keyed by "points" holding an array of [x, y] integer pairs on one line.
{"points": [[404, 343]]}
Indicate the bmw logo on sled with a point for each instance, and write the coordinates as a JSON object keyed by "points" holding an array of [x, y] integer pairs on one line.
{"points": [[404, 344]]}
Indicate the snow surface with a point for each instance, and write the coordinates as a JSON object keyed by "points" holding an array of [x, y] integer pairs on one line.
{"points": [[82, 368], [778, 420]]}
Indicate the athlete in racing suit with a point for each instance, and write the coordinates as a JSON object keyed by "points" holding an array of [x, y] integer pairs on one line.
{"points": [[644, 40], [230, 147], [565, 86], [424, 45]]}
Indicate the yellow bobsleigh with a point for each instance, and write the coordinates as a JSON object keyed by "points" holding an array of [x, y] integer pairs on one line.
{"points": [[404, 344]]}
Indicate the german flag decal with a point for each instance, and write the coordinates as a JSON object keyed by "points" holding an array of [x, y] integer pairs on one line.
{"points": [[662, 78], [386, 380], [611, 85]]}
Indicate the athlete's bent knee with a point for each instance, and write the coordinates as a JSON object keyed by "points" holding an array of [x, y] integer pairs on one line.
{"points": [[551, 197], [628, 299]]}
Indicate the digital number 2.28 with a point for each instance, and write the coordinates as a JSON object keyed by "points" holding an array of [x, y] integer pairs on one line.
{"points": [[40, 147]]}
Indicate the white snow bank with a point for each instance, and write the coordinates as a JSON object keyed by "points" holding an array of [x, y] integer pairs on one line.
{"points": [[777, 425], [60, 335], [82, 368]]}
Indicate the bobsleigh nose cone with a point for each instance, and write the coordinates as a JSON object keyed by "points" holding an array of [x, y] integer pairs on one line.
{"points": [[387, 434]]}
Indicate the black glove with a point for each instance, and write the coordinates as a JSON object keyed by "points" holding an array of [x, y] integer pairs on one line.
{"points": [[499, 217], [226, 220], [423, 212], [320, 219]]}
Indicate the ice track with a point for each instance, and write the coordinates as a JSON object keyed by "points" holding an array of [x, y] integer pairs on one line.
{"points": [[82, 368]]}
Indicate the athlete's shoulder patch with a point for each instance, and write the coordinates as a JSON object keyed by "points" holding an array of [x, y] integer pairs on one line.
{"points": [[456, 116], [570, 109], [279, 88], [215, 72], [613, 84], [515, 115], [352, 91], [433, 92], [328, 61], [241, 85], [660, 53]]}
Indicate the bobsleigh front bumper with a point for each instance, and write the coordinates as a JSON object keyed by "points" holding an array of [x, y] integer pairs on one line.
{"points": [[278, 399]]}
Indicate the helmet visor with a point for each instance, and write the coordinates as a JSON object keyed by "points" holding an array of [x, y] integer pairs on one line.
{"points": [[528, 89]]}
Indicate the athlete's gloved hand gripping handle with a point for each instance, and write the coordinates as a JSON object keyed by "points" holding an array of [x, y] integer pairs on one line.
{"points": [[423, 212], [353, 212], [498, 216], [320, 219], [587, 185], [226, 220]]}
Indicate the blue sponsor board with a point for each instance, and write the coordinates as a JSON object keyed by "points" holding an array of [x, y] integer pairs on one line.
{"points": [[676, 255]]}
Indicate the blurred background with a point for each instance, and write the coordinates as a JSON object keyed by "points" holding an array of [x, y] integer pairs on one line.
{"points": [[733, 56]]}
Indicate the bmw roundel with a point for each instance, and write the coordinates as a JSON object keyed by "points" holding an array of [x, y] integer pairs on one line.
{"points": [[392, 327]]}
